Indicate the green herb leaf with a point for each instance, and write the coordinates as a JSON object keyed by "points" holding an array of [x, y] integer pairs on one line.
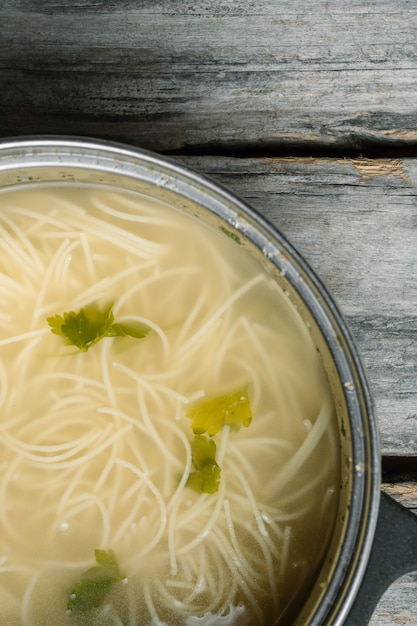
{"points": [[230, 234], [89, 594], [95, 583], [91, 324], [85, 328], [206, 478], [107, 559], [133, 329], [211, 415], [203, 450]]}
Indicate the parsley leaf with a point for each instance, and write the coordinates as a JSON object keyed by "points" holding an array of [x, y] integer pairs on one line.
{"points": [[91, 324], [95, 583], [89, 594], [205, 480], [206, 477], [85, 328], [137, 330], [231, 234], [203, 450], [107, 559], [211, 415]]}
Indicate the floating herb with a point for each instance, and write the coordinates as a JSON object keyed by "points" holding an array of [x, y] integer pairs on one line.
{"points": [[95, 583], [231, 234], [211, 415], [91, 324], [206, 477]]}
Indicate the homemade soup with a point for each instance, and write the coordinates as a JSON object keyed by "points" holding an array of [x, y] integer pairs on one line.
{"points": [[168, 444]]}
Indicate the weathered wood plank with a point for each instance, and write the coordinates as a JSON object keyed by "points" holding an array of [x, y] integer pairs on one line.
{"points": [[200, 74], [403, 492], [398, 605], [355, 222]]}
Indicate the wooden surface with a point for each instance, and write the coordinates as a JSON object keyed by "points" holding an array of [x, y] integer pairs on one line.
{"points": [[199, 74], [281, 100]]}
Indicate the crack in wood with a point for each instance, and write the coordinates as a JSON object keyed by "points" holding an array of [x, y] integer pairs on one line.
{"points": [[298, 148]]}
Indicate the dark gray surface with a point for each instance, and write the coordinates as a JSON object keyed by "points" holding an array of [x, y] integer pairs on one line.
{"points": [[394, 552]]}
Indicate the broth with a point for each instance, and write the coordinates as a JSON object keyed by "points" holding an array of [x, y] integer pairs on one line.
{"points": [[97, 445]]}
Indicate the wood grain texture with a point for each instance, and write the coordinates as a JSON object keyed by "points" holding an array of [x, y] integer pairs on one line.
{"points": [[404, 492], [204, 75], [355, 222], [398, 605]]}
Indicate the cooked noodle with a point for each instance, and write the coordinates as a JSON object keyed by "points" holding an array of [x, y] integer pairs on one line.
{"points": [[96, 445]]}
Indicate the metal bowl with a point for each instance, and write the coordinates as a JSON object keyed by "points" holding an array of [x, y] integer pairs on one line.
{"points": [[26, 161]]}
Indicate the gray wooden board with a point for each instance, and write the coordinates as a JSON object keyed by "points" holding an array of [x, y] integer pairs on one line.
{"points": [[355, 222], [169, 75], [398, 605]]}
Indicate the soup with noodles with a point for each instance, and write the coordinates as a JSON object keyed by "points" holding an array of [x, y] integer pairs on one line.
{"points": [[168, 441]]}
